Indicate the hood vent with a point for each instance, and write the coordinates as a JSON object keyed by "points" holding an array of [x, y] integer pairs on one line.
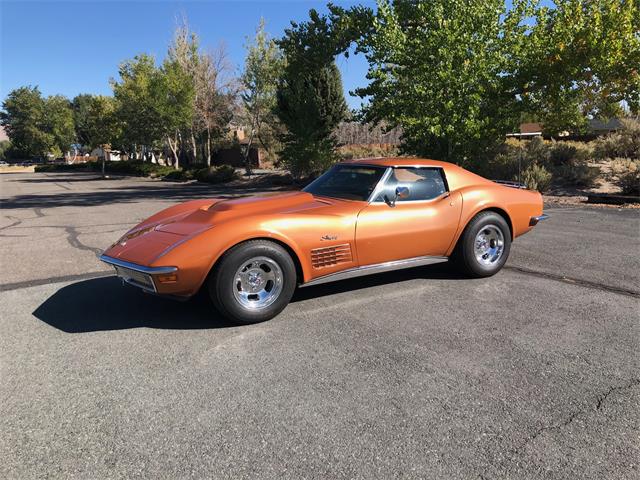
{"points": [[329, 256]]}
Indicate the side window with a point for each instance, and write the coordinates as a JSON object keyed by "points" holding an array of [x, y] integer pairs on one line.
{"points": [[423, 184]]}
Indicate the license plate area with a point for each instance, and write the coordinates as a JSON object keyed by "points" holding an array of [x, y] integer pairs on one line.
{"points": [[138, 279]]}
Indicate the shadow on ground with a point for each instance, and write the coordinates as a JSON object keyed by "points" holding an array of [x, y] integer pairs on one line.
{"points": [[174, 192], [76, 178], [104, 303]]}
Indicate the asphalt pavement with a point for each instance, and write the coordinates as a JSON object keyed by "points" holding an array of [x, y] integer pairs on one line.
{"points": [[533, 373]]}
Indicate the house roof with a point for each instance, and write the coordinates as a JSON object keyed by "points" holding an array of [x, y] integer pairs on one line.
{"points": [[531, 127], [597, 125]]}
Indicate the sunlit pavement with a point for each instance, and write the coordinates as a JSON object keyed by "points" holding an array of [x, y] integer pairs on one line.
{"points": [[530, 374]]}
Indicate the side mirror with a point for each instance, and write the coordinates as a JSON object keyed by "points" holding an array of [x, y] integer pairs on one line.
{"points": [[401, 193]]}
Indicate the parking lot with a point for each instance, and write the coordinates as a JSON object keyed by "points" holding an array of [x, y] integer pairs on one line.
{"points": [[533, 373]]}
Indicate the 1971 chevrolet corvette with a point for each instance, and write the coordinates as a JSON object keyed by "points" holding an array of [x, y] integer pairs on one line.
{"points": [[361, 217]]}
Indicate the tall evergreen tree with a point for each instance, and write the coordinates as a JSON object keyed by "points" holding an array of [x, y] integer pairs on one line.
{"points": [[311, 104], [310, 97]]}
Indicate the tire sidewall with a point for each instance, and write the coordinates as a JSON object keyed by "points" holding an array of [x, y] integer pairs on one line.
{"points": [[221, 283], [475, 226]]}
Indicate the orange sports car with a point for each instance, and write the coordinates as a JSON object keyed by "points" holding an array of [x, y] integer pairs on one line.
{"points": [[360, 217]]}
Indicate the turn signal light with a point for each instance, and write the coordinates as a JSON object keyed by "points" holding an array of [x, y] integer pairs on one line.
{"points": [[168, 278]]}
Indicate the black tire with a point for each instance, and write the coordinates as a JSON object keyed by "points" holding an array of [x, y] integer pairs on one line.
{"points": [[465, 255], [221, 283]]}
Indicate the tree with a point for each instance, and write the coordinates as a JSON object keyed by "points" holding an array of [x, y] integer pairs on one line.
{"points": [[215, 97], [263, 65], [58, 122], [38, 126], [581, 58], [310, 97], [174, 93], [438, 70], [24, 121], [80, 105], [102, 128], [311, 105], [136, 97], [214, 92]]}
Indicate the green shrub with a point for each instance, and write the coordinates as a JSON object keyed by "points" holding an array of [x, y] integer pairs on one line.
{"points": [[138, 168], [162, 171], [625, 143], [536, 177], [563, 153], [179, 175], [536, 151], [133, 167], [5, 149], [221, 174], [501, 167], [577, 174], [144, 169], [541, 161], [625, 173]]}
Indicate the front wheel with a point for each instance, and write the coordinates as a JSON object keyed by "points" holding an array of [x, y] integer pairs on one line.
{"points": [[484, 246], [253, 282]]}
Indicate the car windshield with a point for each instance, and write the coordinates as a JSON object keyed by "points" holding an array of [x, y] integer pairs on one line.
{"points": [[347, 182]]}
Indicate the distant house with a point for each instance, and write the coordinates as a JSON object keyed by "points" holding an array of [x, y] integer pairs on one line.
{"points": [[528, 130], [108, 155], [3, 134], [602, 127], [595, 128]]}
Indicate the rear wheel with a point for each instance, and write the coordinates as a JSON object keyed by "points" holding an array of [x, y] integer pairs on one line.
{"points": [[253, 282], [484, 247]]}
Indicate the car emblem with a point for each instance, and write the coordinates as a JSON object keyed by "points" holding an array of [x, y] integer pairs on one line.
{"points": [[329, 237]]}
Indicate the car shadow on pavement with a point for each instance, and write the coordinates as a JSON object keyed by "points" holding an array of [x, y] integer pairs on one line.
{"points": [[442, 271], [102, 304]]}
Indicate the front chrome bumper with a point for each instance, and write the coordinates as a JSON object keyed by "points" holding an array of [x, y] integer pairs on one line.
{"points": [[137, 275], [534, 220]]}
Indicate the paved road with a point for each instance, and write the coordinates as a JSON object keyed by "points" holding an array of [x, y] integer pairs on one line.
{"points": [[533, 373]]}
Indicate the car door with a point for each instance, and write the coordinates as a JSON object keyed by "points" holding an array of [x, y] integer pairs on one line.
{"points": [[423, 224]]}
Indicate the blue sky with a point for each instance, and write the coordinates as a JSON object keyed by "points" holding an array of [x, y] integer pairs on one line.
{"points": [[75, 47]]}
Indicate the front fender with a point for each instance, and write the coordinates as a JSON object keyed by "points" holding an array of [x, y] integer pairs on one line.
{"points": [[196, 256]]}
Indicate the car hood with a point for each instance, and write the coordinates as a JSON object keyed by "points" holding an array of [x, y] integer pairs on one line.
{"points": [[153, 237]]}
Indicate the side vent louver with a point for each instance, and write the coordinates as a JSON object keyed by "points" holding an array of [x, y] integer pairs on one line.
{"points": [[329, 256]]}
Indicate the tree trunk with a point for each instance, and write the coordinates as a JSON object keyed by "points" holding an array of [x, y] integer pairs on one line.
{"points": [[208, 146], [247, 150], [173, 146], [194, 147]]}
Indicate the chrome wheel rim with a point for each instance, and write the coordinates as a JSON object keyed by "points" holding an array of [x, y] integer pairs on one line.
{"points": [[257, 283], [489, 245]]}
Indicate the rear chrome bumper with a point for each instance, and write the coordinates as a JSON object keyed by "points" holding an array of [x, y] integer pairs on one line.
{"points": [[137, 275], [534, 220]]}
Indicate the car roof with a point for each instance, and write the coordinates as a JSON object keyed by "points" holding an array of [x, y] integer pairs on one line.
{"points": [[400, 162], [457, 177]]}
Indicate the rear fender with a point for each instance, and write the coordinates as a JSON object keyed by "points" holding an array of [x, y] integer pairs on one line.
{"points": [[516, 205]]}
